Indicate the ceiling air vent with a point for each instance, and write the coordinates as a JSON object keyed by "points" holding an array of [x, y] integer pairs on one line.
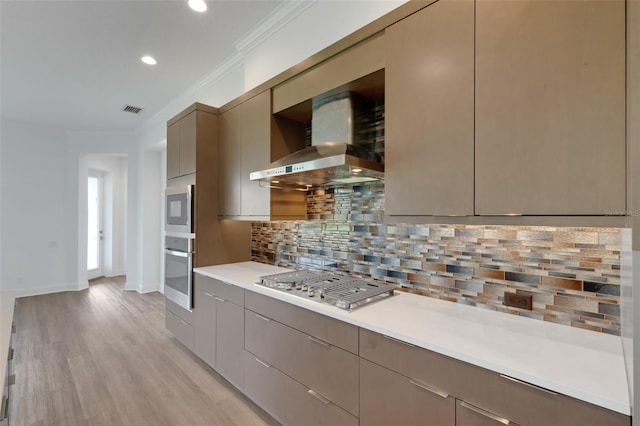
{"points": [[132, 109]]}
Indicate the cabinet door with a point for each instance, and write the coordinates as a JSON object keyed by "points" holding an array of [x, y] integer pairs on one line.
{"points": [[349, 65], [256, 147], [230, 342], [173, 151], [204, 313], [388, 398], [429, 81], [550, 107], [230, 152], [188, 144]]}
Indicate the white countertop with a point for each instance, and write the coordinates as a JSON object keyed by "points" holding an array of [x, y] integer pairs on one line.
{"points": [[7, 302], [580, 363]]}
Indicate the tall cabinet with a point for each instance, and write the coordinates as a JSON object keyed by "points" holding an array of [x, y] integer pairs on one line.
{"points": [[429, 111], [193, 155], [550, 107]]}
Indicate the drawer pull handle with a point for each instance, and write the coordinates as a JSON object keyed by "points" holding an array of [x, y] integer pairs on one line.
{"points": [[485, 413], [4, 409], [263, 318], [319, 341], [528, 385], [11, 380], [208, 294], [10, 357], [219, 299], [398, 340], [263, 363], [429, 389], [318, 396]]}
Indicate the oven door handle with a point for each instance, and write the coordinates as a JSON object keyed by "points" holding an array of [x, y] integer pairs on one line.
{"points": [[178, 253]]}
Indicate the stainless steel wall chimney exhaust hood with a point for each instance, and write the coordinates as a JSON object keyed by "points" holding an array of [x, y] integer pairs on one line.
{"points": [[335, 156]]}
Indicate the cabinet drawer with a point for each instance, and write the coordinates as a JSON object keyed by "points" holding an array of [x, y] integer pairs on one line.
{"points": [[179, 311], [408, 360], [228, 292], [388, 398], [323, 367], [181, 329], [525, 404], [287, 400], [328, 329]]}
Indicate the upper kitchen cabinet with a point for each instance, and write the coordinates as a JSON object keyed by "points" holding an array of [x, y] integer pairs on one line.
{"points": [[550, 107], [189, 132], [339, 70], [245, 146], [429, 82]]}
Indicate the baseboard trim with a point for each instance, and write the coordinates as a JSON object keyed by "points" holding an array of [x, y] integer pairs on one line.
{"points": [[26, 292]]}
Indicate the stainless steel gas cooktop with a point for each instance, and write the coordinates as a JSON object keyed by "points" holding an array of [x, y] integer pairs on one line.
{"points": [[342, 291]]}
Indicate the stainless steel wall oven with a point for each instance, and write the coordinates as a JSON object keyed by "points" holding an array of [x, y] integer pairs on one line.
{"points": [[178, 273]]}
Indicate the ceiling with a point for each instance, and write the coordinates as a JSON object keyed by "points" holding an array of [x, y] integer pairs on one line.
{"points": [[76, 64]]}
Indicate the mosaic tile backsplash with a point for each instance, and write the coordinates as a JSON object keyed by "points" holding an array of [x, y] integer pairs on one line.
{"points": [[573, 274]]}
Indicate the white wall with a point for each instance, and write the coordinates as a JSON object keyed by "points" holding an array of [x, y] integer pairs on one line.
{"points": [[36, 246], [152, 212]]}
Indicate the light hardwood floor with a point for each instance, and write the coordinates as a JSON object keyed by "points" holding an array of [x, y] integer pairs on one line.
{"points": [[102, 356]]}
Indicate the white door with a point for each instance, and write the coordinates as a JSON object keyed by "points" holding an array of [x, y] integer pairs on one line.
{"points": [[94, 220]]}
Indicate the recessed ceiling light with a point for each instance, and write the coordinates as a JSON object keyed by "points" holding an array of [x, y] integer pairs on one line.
{"points": [[149, 60], [197, 5]]}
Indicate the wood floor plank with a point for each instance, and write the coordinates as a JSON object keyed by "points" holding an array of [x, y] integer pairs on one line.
{"points": [[103, 356]]}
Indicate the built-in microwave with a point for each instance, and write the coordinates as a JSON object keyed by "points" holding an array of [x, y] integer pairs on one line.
{"points": [[179, 209]]}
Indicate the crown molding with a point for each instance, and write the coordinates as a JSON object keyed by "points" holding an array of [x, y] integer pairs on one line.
{"points": [[277, 19], [189, 96], [280, 17]]}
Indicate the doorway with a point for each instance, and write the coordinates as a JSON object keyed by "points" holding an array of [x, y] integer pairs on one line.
{"points": [[103, 207], [95, 224]]}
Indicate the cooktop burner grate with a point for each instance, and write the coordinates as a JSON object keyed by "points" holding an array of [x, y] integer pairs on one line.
{"points": [[343, 291]]}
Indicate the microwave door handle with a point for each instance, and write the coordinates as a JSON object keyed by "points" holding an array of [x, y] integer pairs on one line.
{"points": [[178, 253]]}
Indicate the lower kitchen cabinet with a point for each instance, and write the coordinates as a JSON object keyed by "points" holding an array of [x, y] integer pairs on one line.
{"points": [[230, 342], [305, 368], [388, 398], [218, 316], [179, 322], [288, 401], [490, 396], [204, 312], [327, 369]]}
